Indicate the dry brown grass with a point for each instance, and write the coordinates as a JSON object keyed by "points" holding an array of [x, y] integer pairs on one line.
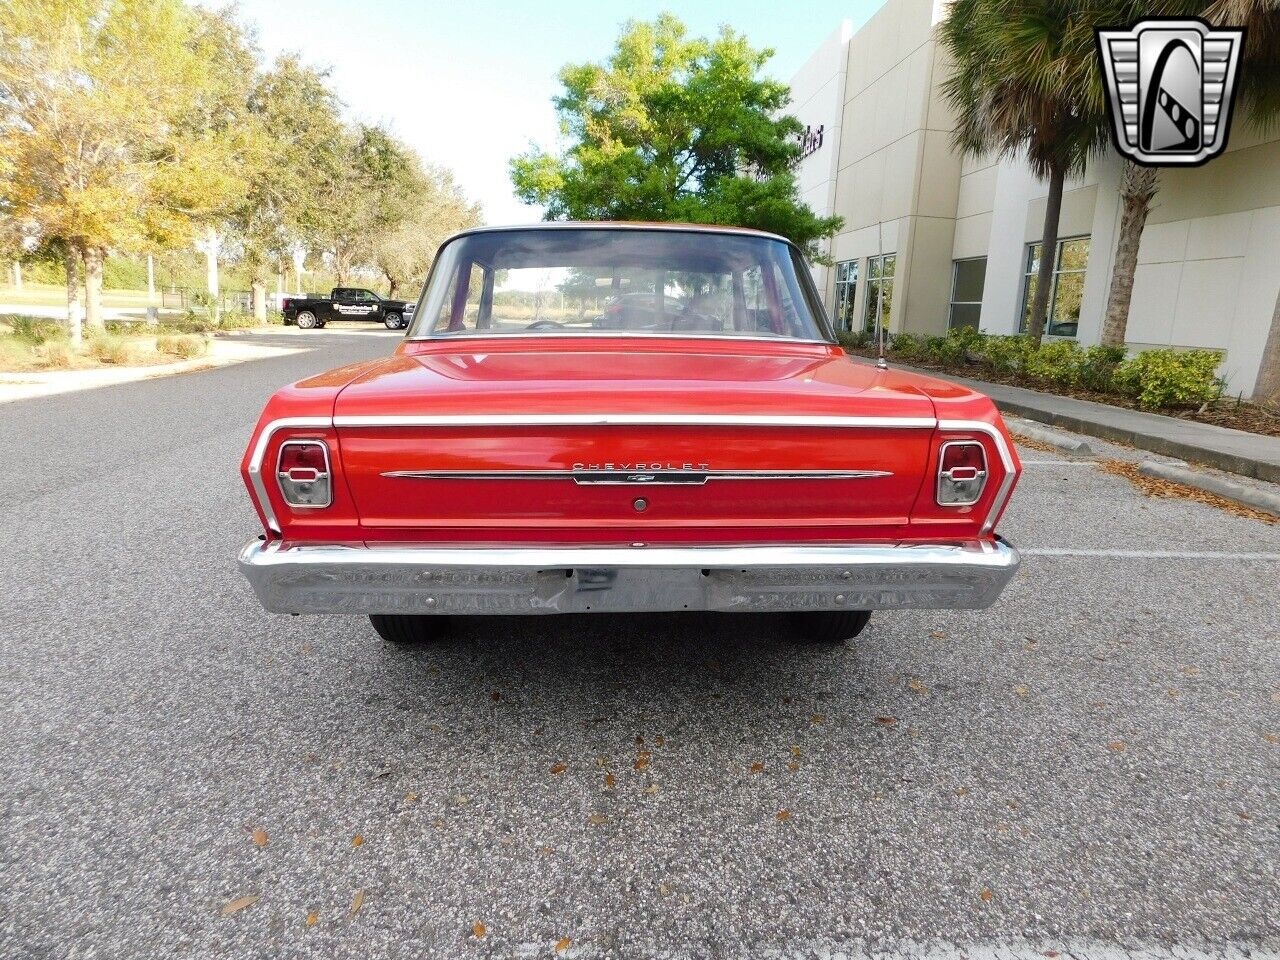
{"points": [[1167, 489], [1030, 444]]}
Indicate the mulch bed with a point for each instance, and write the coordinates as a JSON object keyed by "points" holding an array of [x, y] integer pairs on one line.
{"points": [[1235, 414]]}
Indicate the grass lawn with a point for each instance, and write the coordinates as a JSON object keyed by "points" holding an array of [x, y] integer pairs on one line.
{"points": [[46, 295]]}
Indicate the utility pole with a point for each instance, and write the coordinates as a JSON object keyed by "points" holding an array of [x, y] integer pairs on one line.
{"points": [[151, 278]]}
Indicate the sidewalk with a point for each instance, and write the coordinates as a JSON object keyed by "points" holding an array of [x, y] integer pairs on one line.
{"points": [[1248, 454]]}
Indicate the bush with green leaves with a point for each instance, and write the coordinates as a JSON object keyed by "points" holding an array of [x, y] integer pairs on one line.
{"points": [[35, 331], [908, 346], [1169, 379], [1096, 368], [1056, 362], [1004, 355]]}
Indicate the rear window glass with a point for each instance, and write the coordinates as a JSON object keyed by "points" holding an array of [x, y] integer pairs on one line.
{"points": [[638, 282]]}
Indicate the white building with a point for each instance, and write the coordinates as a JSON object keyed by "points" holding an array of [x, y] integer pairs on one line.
{"points": [[933, 240]]}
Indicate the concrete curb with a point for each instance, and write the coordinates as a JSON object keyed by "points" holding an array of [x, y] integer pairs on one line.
{"points": [[1249, 496], [1067, 444]]}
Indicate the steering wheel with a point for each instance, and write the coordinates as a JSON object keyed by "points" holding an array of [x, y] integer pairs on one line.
{"points": [[545, 325]]}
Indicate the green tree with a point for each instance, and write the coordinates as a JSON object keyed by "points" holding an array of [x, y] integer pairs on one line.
{"points": [[296, 118], [1024, 73], [404, 248], [91, 96], [673, 128]]}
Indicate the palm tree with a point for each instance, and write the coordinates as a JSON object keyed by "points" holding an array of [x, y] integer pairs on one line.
{"points": [[1259, 83], [1025, 84]]}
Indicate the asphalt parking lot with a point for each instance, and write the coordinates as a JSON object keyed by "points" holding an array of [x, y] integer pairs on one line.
{"points": [[1090, 767]]}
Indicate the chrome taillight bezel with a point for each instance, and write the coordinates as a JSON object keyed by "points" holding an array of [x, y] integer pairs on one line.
{"points": [[960, 491], [305, 493]]}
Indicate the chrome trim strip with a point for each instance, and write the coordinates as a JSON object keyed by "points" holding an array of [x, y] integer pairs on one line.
{"points": [[711, 229], [260, 451], [428, 579], [1006, 458], [632, 419], [650, 478], [606, 334]]}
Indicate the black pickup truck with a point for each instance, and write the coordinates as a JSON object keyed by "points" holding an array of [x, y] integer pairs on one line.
{"points": [[344, 303]]}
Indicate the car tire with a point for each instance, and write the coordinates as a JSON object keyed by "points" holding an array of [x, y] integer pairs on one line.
{"points": [[830, 626], [406, 630], [307, 321], [393, 321]]}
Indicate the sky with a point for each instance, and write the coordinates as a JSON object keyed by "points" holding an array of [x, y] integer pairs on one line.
{"points": [[469, 83]]}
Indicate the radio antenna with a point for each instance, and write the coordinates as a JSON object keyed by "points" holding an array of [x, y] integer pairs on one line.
{"points": [[881, 362]]}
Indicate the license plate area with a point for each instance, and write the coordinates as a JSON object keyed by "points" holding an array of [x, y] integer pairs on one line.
{"points": [[631, 589]]}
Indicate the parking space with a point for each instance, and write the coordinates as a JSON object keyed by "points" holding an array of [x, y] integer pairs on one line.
{"points": [[1093, 765]]}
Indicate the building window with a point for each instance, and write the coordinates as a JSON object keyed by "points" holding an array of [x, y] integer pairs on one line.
{"points": [[846, 287], [967, 280], [879, 292], [1072, 257]]}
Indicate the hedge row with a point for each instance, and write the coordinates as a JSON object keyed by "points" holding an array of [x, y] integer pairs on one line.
{"points": [[1156, 379]]}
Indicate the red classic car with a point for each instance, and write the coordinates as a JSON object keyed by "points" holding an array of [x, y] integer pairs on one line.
{"points": [[625, 417]]}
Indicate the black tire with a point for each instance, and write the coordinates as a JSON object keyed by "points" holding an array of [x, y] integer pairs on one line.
{"points": [[307, 321], [406, 630], [830, 626], [393, 321]]}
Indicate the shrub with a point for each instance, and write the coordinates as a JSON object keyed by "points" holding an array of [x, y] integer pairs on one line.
{"points": [[1164, 379], [949, 351], [184, 345], [1003, 354], [1096, 368], [908, 346], [35, 331], [237, 321], [121, 351], [59, 355], [849, 339], [1056, 363]]}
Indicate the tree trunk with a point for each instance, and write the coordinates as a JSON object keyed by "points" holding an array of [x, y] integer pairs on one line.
{"points": [[17, 275], [259, 301], [392, 286], [74, 317], [1137, 188], [93, 287], [1267, 389], [1048, 254], [212, 244], [151, 278]]}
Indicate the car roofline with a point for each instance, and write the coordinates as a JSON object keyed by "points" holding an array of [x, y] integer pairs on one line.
{"points": [[620, 225]]}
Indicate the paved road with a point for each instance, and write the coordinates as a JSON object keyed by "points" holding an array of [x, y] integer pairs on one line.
{"points": [[1093, 765]]}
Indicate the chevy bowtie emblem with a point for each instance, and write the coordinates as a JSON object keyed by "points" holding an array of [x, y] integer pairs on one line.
{"points": [[1170, 86]]}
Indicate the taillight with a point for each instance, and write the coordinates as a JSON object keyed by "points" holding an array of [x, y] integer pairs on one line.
{"points": [[302, 471], [962, 473]]}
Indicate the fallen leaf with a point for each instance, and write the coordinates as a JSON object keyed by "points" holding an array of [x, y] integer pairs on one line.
{"points": [[1190, 671], [757, 767], [784, 814], [651, 788], [496, 696], [608, 780], [1021, 691], [1173, 691], [962, 791], [260, 837], [558, 768], [312, 918], [660, 740], [563, 944], [1117, 746], [1271, 738], [795, 751], [357, 840], [937, 635], [818, 718], [479, 929], [793, 765], [1244, 816], [986, 896], [602, 761], [411, 798], [639, 741], [642, 762], [1002, 828], [597, 819], [887, 721], [918, 687], [356, 904], [239, 904]]}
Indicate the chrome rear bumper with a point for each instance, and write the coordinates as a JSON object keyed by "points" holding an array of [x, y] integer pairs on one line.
{"points": [[522, 580]]}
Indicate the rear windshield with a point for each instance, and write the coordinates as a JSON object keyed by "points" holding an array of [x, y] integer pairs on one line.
{"points": [[635, 282]]}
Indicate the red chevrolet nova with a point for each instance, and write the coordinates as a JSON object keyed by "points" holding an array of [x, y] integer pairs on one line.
{"points": [[612, 417]]}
